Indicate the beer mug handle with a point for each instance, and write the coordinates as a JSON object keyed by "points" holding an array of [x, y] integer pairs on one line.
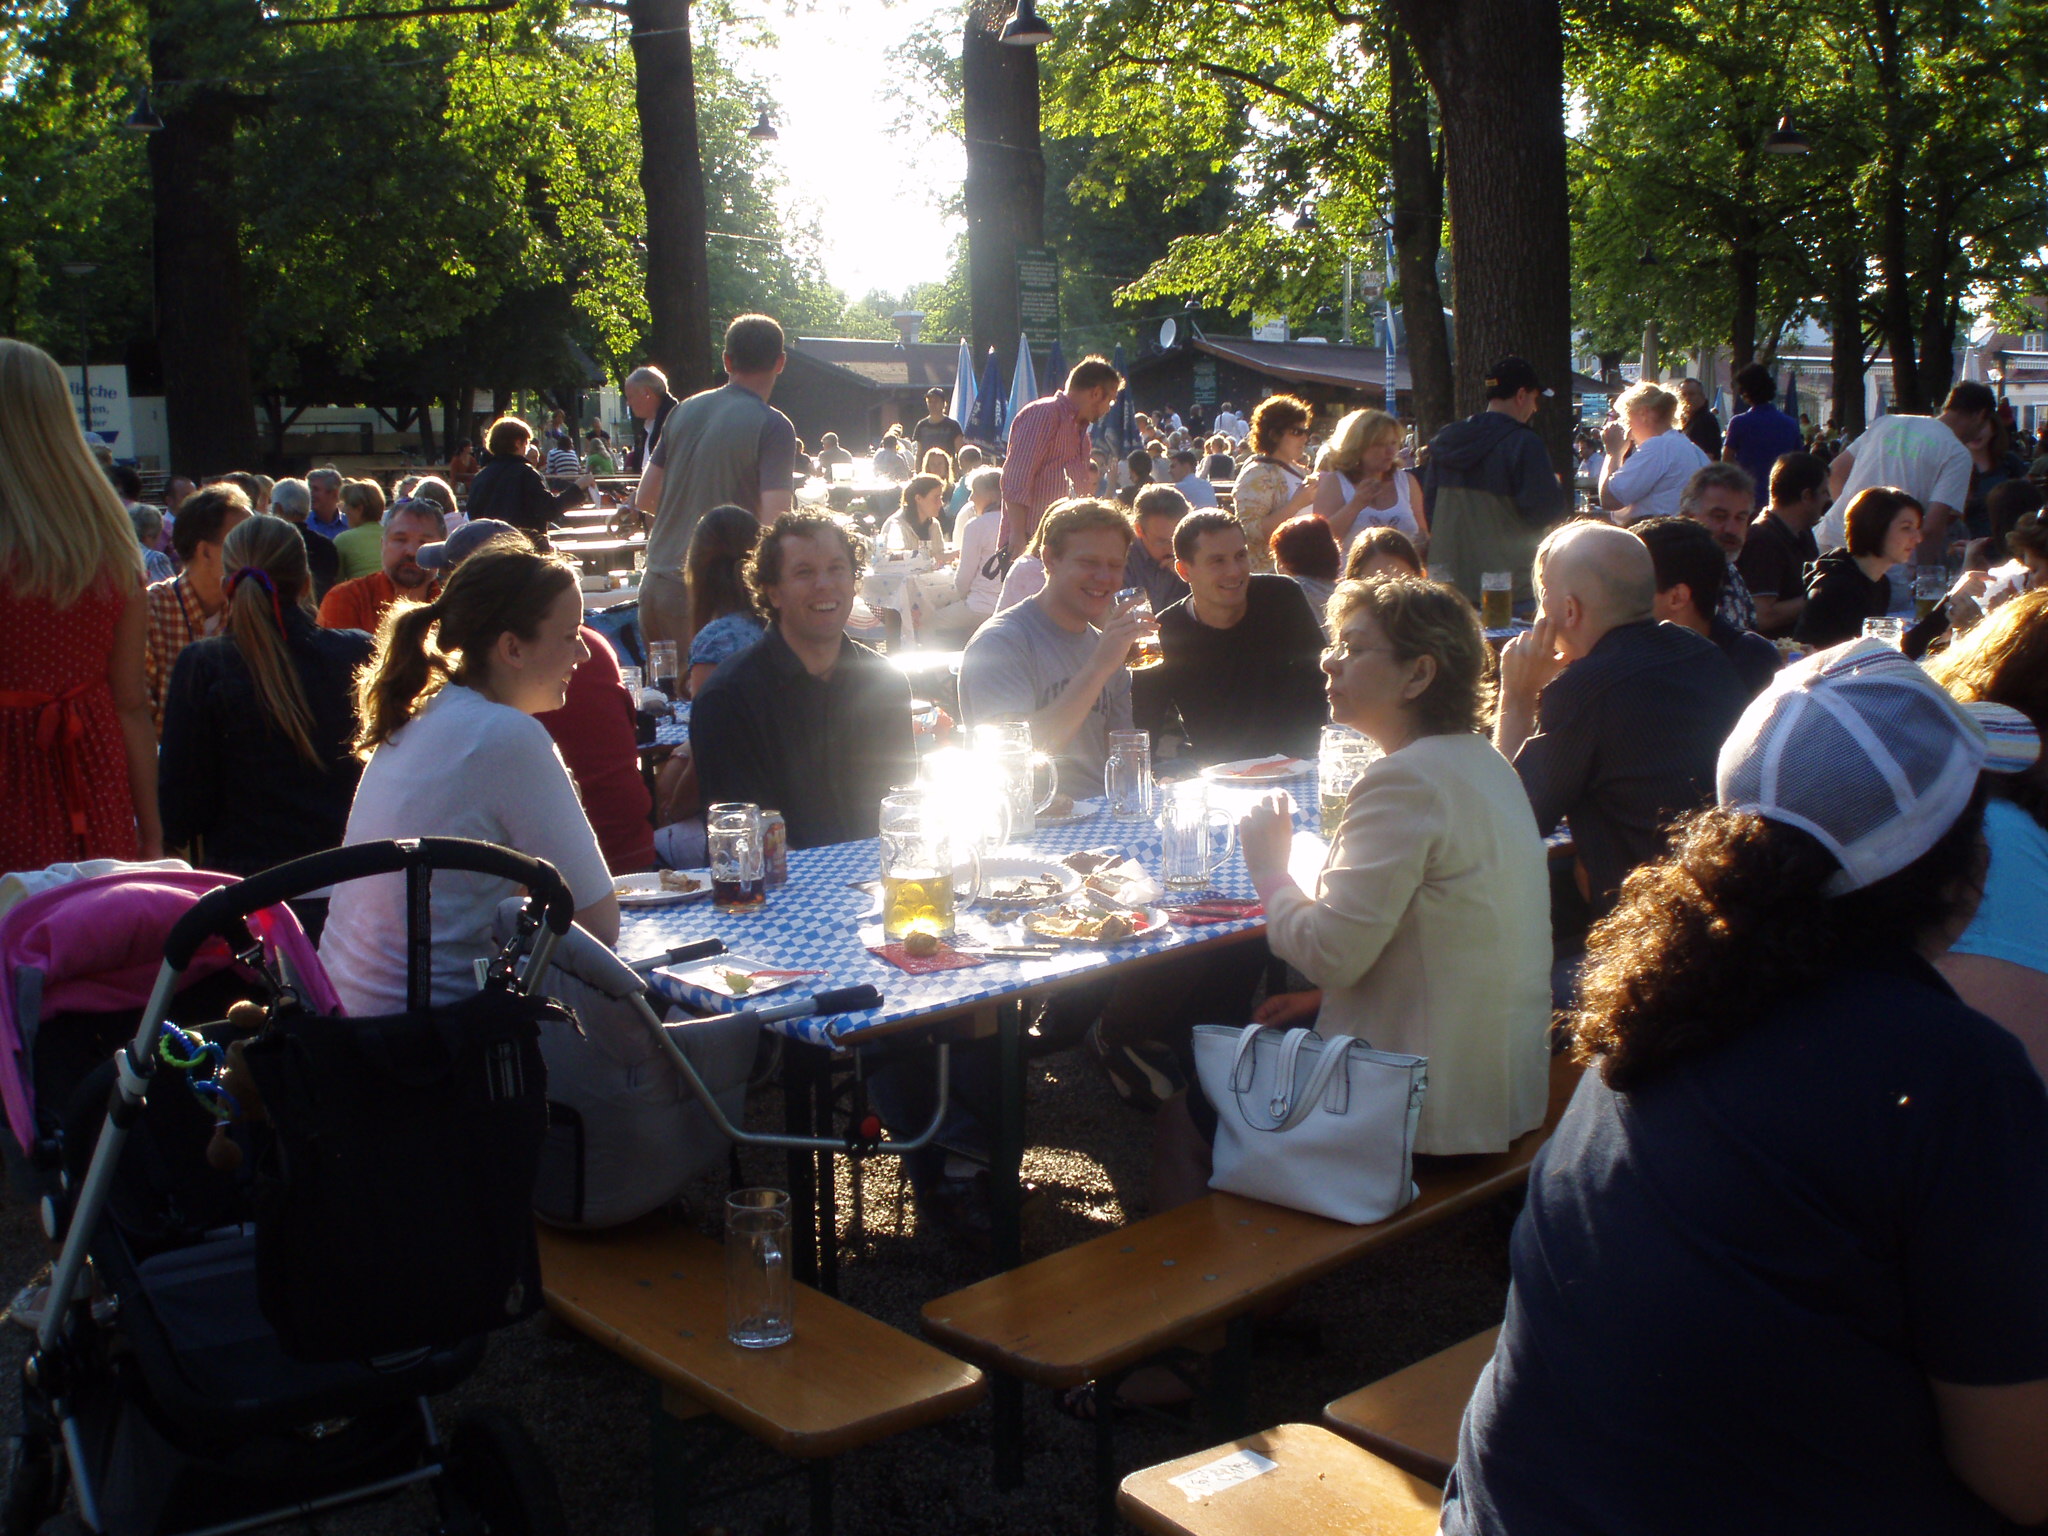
{"points": [[1229, 825], [973, 891], [1052, 780]]}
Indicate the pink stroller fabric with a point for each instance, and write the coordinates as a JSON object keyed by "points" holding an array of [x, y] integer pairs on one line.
{"points": [[99, 944]]}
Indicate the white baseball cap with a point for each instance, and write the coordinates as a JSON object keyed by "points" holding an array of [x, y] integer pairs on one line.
{"points": [[1861, 748]]}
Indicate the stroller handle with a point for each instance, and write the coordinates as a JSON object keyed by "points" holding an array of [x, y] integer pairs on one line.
{"points": [[218, 911]]}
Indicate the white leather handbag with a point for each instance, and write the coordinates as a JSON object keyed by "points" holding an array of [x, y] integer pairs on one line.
{"points": [[1324, 1126]]}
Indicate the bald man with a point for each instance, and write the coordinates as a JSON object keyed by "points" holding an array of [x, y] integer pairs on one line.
{"points": [[1612, 718]]}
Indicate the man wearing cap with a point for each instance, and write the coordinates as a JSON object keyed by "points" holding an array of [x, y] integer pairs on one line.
{"points": [[1489, 487], [594, 728], [937, 429], [409, 526], [1612, 719]]}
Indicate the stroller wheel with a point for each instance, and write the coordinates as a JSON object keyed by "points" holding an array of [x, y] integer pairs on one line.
{"points": [[496, 1482], [33, 1488]]}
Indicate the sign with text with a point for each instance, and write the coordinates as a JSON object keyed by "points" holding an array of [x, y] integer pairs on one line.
{"points": [[112, 416], [1038, 295], [1269, 327], [1205, 381]]}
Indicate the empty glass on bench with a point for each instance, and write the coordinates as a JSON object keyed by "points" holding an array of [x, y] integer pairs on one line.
{"points": [[759, 1289]]}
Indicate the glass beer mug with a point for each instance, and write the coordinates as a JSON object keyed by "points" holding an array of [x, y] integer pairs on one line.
{"points": [[1006, 746], [918, 852]]}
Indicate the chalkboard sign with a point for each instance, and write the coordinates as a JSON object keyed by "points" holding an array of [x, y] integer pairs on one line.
{"points": [[1038, 295]]}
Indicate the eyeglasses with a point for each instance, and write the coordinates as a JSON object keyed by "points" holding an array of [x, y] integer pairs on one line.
{"points": [[1344, 650]]}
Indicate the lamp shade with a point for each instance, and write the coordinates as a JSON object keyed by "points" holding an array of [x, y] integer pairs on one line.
{"points": [[1025, 30]]}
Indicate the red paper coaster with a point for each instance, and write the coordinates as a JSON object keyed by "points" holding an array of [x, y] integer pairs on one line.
{"points": [[1216, 912], [947, 959]]}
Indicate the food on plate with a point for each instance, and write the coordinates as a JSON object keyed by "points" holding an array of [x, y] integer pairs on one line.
{"points": [[920, 944], [1062, 806], [1084, 923], [1089, 860], [1110, 883], [738, 983], [1016, 888], [675, 880]]}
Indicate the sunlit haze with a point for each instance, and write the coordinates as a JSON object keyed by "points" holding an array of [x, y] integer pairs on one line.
{"points": [[882, 227]]}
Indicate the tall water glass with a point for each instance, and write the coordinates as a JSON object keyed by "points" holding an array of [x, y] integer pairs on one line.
{"points": [[1344, 757], [629, 679], [760, 1295], [732, 832], [1930, 586], [1006, 745], [1127, 775], [1187, 828], [1890, 630], [663, 665]]}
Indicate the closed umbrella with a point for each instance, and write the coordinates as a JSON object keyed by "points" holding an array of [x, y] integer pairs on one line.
{"points": [[1023, 383], [1792, 395], [988, 411], [1116, 429], [963, 385], [1056, 368], [1880, 404]]}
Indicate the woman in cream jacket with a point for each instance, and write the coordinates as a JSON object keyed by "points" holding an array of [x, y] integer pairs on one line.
{"points": [[1428, 930]]}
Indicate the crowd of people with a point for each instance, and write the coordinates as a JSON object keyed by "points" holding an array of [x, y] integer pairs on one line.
{"points": [[1797, 933]]}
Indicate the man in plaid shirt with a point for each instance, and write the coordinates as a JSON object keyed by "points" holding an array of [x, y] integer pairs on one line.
{"points": [[1048, 456], [188, 607]]}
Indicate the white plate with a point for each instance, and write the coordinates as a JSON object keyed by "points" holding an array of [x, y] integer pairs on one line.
{"points": [[1154, 920], [1256, 770], [997, 868], [646, 890], [707, 983]]}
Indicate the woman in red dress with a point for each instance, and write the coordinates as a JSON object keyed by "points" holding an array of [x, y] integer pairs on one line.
{"points": [[77, 748]]}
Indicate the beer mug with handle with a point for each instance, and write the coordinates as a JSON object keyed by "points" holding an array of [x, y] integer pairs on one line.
{"points": [[1186, 824], [918, 871], [1006, 745]]}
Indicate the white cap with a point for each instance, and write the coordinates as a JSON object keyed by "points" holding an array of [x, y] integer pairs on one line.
{"points": [[1860, 747]]}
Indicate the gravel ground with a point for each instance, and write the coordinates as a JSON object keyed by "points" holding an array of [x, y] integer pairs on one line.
{"points": [[1089, 1156]]}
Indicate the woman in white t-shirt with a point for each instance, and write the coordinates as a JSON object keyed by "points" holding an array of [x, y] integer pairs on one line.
{"points": [[453, 750], [1650, 480], [1365, 487]]}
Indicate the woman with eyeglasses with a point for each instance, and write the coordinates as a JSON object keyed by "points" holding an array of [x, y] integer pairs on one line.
{"points": [[1428, 929], [1277, 483]]}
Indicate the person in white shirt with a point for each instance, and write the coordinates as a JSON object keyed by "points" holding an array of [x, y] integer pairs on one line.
{"points": [[1927, 457], [454, 751], [1229, 422], [978, 575], [1184, 467], [1649, 482]]}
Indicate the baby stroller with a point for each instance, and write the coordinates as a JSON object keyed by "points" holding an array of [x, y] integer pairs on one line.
{"points": [[234, 1340]]}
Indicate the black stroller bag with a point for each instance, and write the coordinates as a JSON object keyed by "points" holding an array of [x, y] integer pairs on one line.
{"points": [[394, 1174]]}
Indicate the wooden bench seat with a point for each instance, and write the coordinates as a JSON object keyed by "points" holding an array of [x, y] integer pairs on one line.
{"points": [[1322, 1486], [1120, 1298], [1411, 1418]]}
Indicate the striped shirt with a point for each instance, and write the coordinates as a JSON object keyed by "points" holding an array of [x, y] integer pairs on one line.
{"points": [[175, 621], [1048, 461]]}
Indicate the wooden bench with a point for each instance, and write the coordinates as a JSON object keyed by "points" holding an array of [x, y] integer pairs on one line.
{"points": [[1094, 1311], [1321, 1486], [1411, 1418], [654, 1293]]}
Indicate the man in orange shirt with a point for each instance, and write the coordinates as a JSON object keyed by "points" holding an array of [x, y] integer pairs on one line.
{"points": [[360, 604]]}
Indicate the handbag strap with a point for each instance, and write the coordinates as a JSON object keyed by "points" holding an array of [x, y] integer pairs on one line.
{"points": [[1335, 1049], [1286, 1115]]}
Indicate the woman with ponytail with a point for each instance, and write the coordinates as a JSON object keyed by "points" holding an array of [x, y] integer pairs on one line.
{"points": [[258, 763], [452, 749]]}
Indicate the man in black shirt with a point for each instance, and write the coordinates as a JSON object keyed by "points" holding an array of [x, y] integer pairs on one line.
{"points": [[1691, 566], [1243, 653], [1633, 712], [937, 430], [1781, 547], [805, 720]]}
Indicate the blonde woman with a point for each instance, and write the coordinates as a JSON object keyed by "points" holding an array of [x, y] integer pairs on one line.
{"points": [[258, 762], [77, 744], [1649, 482], [1363, 485], [1276, 484], [360, 546]]}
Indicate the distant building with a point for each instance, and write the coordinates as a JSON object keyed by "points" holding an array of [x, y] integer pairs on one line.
{"points": [[859, 388]]}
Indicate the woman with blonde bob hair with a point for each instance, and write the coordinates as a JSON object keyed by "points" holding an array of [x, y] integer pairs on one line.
{"points": [[1436, 861], [453, 750], [1362, 484], [77, 741], [1660, 459], [259, 763]]}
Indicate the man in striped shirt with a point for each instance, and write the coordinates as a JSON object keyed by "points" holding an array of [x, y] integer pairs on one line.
{"points": [[1048, 456]]}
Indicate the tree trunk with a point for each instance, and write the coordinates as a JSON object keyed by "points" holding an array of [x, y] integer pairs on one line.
{"points": [[1896, 310], [202, 313], [1005, 189], [1418, 236], [672, 179], [1747, 261], [1845, 325], [1497, 68], [1653, 363], [1937, 357]]}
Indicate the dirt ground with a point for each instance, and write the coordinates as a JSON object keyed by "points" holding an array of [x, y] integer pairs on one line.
{"points": [[1089, 1155]]}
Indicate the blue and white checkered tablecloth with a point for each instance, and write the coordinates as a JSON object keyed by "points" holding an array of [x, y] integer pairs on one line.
{"points": [[814, 922]]}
